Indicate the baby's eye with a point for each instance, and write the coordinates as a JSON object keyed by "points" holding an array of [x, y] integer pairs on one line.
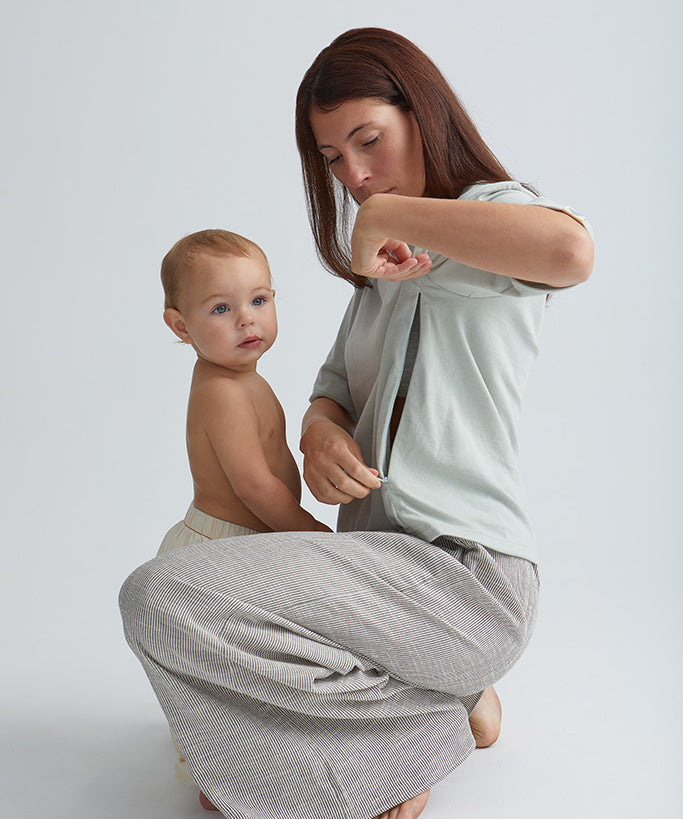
{"points": [[220, 308], [258, 301]]}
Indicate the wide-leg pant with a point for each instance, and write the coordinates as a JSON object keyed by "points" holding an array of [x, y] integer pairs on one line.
{"points": [[325, 676], [196, 527]]}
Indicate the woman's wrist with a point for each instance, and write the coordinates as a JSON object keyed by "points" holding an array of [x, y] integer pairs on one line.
{"points": [[377, 214], [325, 409]]}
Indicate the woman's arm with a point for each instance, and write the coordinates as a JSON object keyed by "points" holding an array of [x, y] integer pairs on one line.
{"points": [[526, 242], [333, 465]]}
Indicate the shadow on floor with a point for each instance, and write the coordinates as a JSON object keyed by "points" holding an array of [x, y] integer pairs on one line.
{"points": [[82, 767]]}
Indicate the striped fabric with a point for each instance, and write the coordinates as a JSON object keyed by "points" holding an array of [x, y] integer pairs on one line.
{"points": [[325, 676]]}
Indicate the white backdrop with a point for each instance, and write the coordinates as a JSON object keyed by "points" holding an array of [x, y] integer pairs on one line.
{"points": [[127, 125]]}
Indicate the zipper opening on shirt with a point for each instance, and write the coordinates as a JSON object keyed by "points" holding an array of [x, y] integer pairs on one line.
{"points": [[410, 358]]}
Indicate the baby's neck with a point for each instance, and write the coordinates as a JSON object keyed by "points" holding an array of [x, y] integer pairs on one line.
{"points": [[204, 367]]}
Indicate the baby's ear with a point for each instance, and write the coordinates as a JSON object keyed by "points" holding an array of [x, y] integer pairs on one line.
{"points": [[175, 321]]}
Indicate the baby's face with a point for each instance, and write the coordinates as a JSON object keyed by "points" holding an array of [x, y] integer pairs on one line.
{"points": [[228, 307]]}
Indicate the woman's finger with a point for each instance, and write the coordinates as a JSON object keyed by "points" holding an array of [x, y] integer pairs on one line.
{"points": [[407, 270], [339, 475], [326, 491], [339, 495], [350, 489], [354, 471], [354, 487], [399, 250], [322, 489]]}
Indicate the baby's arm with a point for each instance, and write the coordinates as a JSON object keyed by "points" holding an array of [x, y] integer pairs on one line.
{"points": [[231, 424]]}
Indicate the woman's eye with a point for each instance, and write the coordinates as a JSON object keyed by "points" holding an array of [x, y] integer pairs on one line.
{"points": [[333, 160], [371, 142], [221, 308]]}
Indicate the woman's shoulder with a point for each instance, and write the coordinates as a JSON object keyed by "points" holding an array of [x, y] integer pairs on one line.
{"points": [[513, 192], [504, 191]]}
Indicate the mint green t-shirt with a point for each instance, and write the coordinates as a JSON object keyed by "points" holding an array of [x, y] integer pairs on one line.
{"points": [[453, 466]]}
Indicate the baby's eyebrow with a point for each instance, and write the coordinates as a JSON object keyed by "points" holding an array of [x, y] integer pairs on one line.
{"points": [[214, 297], [262, 288]]}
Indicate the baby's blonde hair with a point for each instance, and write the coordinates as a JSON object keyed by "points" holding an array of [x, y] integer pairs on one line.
{"points": [[186, 250]]}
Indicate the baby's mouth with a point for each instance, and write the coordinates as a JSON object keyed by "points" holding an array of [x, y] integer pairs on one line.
{"points": [[250, 343]]}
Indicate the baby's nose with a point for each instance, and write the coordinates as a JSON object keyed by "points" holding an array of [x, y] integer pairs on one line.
{"points": [[245, 317]]}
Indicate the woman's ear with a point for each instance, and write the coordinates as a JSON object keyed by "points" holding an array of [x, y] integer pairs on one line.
{"points": [[175, 321]]}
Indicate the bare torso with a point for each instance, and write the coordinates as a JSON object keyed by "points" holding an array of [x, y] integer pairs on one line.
{"points": [[213, 492]]}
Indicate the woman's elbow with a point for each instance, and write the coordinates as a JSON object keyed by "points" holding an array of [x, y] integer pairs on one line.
{"points": [[574, 255]]}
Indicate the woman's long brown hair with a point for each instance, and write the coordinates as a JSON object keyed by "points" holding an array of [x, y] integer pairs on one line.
{"points": [[380, 64]]}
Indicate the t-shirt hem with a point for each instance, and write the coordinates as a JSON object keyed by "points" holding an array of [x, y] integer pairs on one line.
{"points": [[488, 541]]}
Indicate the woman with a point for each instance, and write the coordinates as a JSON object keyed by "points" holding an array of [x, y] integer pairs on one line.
{"points": [[313, 675]]}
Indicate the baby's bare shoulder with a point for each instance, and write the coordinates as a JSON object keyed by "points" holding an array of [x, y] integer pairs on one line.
{"points": [[216, 390]]}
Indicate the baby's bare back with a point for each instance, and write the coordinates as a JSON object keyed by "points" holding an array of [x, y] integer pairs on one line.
{"points": [[234, 422]]}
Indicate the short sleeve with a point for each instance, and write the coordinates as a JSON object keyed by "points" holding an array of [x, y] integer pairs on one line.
{"points": [[331, 381], [516, 194]]}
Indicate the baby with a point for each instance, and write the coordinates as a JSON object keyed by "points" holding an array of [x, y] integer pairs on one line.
{"points": [[219, 299]]}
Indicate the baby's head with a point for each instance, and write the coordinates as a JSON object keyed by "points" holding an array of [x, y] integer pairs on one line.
{"points": [[218, 297], [180, 261]]}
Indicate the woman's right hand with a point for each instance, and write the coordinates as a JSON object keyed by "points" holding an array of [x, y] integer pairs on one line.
{"points": [[334, 470], [377, 256]]}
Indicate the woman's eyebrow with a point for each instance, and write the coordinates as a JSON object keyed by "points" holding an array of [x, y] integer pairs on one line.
{"points": [[351, 133]]}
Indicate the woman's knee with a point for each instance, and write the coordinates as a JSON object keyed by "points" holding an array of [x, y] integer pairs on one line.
{"points": [[141, 597], [476, 664]]}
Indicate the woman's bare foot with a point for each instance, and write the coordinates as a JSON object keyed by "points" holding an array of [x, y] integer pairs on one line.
{"points": [[410, 809], [485, 719], [205, 803]]}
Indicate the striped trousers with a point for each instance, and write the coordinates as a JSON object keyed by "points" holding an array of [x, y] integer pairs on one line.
{"points": [[325, 676]]}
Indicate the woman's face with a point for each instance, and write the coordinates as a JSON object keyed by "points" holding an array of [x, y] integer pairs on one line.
{"points": [[371, 147]]}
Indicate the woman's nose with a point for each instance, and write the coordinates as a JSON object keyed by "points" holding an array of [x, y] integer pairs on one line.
{"points": [[357, 173]]}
